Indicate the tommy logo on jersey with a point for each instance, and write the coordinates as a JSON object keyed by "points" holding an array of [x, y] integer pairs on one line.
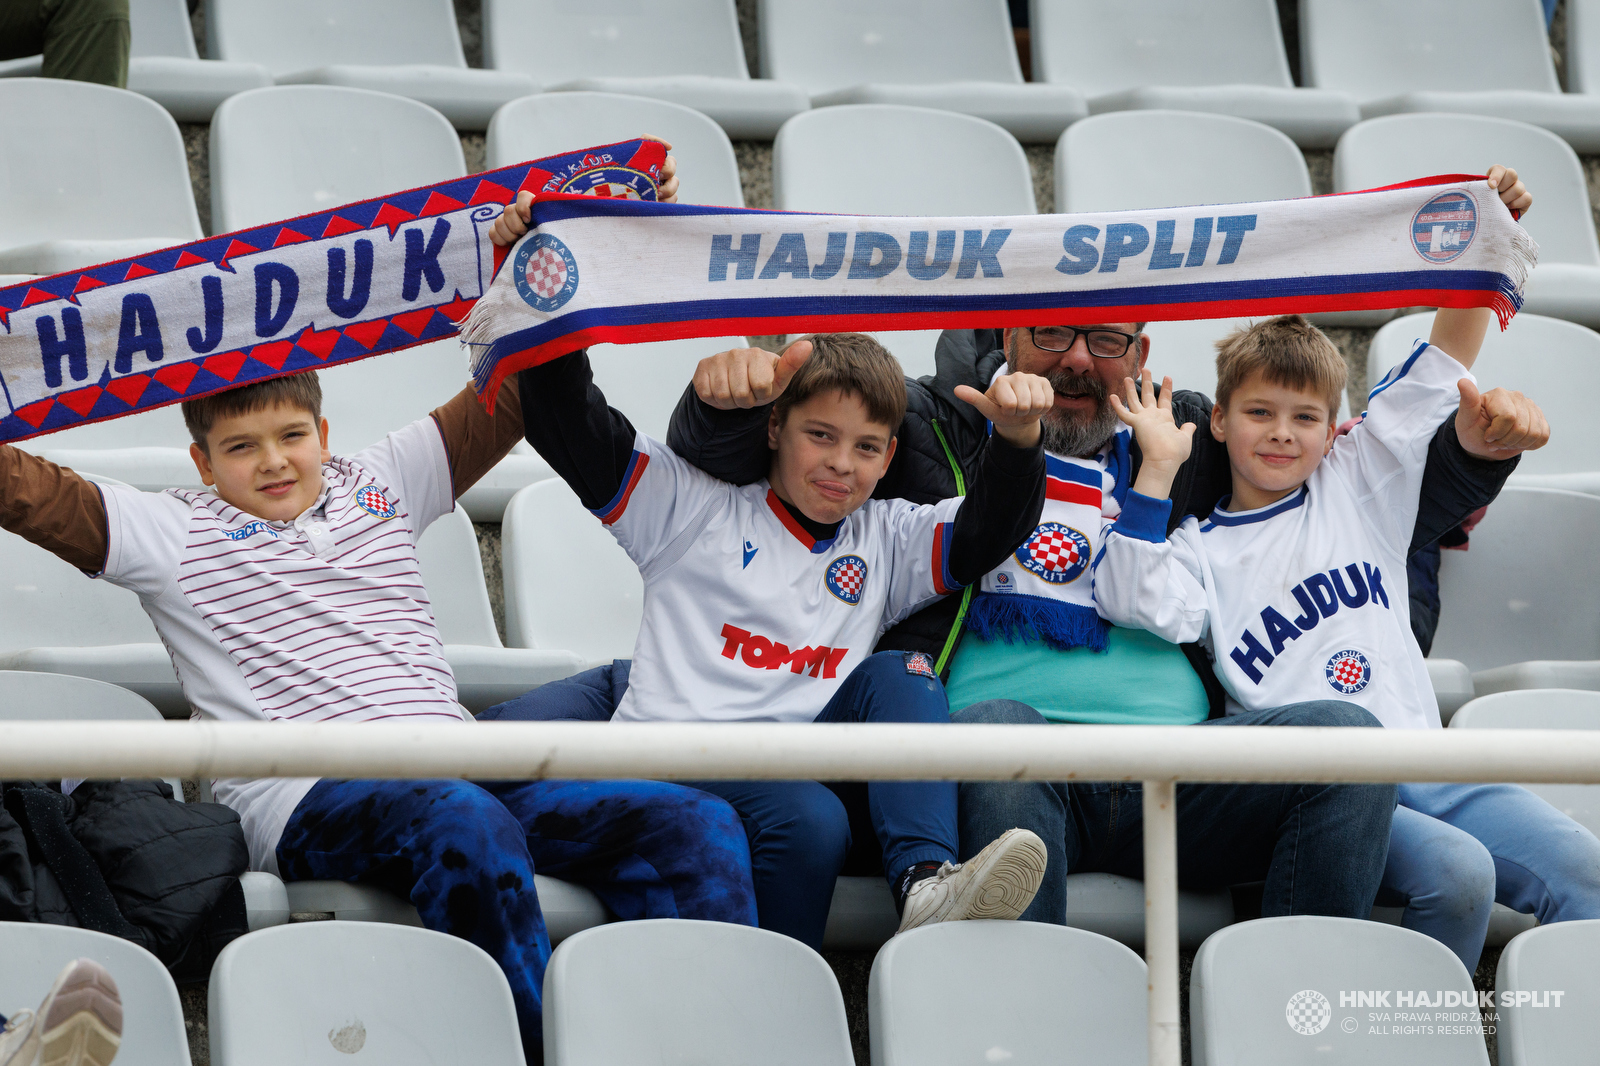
{"points": [[1348, 672], [764, 653], [845, 577], [371, 499], [1319, 597], [1443, 227], [1055, 553], [545, 273]]}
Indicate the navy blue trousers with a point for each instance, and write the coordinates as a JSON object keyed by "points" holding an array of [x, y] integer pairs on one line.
{"points": [[803, 834], [465, 855]]}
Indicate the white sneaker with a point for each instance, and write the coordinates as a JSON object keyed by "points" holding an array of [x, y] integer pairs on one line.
{"points": [[78, 1024], [998, 882]]}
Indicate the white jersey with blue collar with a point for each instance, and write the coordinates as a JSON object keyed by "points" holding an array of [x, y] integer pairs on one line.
{"points": [[747, 617], [1305, 599]]}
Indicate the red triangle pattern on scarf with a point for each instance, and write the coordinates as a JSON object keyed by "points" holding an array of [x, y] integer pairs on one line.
{"points": [[289, 236], [391, 216], [177, 377], [81, 400], [414, 322], [338, 225], [225, 366], [34, 414], [318, 344], [273, 354], [366, 334], [128, 389]]}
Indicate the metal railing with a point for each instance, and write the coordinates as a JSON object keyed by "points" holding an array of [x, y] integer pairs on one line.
{"points": [[1158, 756]]}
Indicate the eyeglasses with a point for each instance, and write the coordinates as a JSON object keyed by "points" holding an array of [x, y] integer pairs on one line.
{"points": [[1102, 343]]}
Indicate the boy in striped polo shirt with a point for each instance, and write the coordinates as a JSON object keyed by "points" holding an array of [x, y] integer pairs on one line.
{"points": [[292, 592]]}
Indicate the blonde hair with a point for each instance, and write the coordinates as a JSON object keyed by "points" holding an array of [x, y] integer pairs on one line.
{"points": [[1287, 351]]}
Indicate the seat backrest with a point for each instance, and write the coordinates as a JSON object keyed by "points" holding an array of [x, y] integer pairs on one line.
{"points": [[397, 995], [1252, 977], [1524, 588], [293, 35], [294, 149], [26, 696], [883, 159], [568, 584], [1583, 46], [1126, 160], [1545, 708], [686, 991], [89, 162], [834, 44], [553, 42], [452, 572], [153, 1033], [161, 28], [1375, 48], [1049, 994], [645, 381], [1555, 363], [552, 123], [51, 604], [365, 400], [1396, 148], [1545, 1029], [1105, 48]]}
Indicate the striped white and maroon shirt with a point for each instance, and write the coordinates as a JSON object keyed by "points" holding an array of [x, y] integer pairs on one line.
{"points": [[319, 619]]}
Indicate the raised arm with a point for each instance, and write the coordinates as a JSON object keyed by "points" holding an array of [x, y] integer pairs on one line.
{"points": [[54, 507], [474, 439], [566, 419]]}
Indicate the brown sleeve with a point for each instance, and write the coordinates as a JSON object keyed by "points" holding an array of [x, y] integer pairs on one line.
{"points": [[54, 507], [474, 439]]}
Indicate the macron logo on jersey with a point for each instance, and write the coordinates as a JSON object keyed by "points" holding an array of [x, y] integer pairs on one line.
{"points": [[1319, 597], [245, 532], [764, 654], [749, 553]]}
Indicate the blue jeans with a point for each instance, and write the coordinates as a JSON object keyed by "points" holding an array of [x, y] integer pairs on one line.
{"points": [[1319, 848], [804, 834], [465, 855], [1455, 850]]}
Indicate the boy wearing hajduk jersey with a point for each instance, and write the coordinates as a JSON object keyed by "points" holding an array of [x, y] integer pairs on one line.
{"points": [[762, 604], [1296, 584]]}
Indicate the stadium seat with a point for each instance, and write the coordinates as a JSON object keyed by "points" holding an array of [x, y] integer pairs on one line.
{"points": [[320, 991], [1251, 977], [561, 122], [688, 53], [953, 55], [673, 990], [1545, 708], [486, 671], [567, 908], [1539, 674], [1555, 363], [1223, 58], [1583, 46], [1453, 685], [1476, 57], [1047, 995], [153, 1032], [103, 176], [165, 66], [1566, 283], [821, 162], [568, 584], [1544, 1029], [406, 47]]}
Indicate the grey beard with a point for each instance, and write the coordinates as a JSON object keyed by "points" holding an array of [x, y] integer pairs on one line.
{"points": [[1065, 435]]}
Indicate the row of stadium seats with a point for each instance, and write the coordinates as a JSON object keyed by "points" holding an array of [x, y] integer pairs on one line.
{"points": [[1360, 58], [721, 995]]}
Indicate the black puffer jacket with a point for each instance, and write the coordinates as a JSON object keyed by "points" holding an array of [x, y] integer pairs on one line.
{"points": [[941, 435], [122, 857]]}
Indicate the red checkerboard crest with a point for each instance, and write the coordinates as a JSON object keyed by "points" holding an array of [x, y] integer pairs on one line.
{"points": [[1348, 672], [845, 578], [1055, 553], [371, 499]]}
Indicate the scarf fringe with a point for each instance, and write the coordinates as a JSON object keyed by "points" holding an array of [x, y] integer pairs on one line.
{"points": [[1520, 263], [1061, 625]]}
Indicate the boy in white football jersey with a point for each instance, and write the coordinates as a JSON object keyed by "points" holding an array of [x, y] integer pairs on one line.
{"points": [[1297, 586], [763, 603]]}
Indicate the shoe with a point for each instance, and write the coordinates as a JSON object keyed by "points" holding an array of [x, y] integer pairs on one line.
{"points": [[78, 1024], [998, 882]]}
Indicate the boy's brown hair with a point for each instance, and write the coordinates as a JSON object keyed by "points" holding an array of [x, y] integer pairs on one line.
{"points": [[296, 390], [855, 364], [1287, 351]]}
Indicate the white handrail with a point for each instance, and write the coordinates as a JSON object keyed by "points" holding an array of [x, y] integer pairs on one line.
{"points": [[1158, 756]]}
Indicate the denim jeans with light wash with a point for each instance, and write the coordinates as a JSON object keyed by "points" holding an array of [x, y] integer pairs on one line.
{"points": [[1319, 848]]}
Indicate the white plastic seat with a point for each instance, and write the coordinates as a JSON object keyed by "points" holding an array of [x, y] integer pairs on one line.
{"points": [[567, 908], [1566, 283], [568, 583], [1554, 363], [560, 122], [320, 992], [1583, 46], [1548, 708], [1539, 674], [650, 993], [103, 176], [953, 55], [1453, 685], [406, 47], [688, 52], [1047, 995], [1546, 1029], [1476, 57], [1223, 58], [1252, 978], [153, 1032], [164, 65]]}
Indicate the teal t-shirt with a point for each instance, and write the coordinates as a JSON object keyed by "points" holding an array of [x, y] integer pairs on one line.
{"points": [[1139, 679]]}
